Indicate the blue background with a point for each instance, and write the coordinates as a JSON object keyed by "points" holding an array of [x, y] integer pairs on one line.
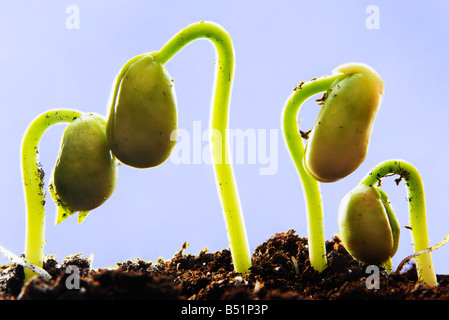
{"points": [[152, 212]]}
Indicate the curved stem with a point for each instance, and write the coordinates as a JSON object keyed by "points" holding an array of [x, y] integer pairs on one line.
{"points": [[311, 189], [224, 77], [417, 211], [33, 178]]}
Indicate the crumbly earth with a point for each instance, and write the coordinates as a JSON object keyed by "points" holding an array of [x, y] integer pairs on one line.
{"points": [[280, 271]]}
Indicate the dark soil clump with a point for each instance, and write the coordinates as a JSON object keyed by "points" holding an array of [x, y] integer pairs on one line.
{"points": [[280, 271]]}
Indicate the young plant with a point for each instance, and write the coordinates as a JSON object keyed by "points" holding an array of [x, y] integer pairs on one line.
{"points": [[339, 139], [84, 175], [142, 119], [368, 226], [366, 216]]}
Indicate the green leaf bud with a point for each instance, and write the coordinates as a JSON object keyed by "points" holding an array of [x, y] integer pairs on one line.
{"points": [[85, 173], [340, 136], [368, 227], [142, 114]]}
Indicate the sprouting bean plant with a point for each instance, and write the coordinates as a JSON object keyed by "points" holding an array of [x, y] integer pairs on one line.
{"points": [[140, 128], [368, 227], [84, 176], [338, 141]]}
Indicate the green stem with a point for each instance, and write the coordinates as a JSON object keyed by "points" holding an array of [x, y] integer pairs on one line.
{"points": [[33, 178], [417, 211], [311, 189], [224, 77]]}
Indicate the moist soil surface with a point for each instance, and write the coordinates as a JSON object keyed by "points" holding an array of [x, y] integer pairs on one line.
{"points": [[280, 271]]}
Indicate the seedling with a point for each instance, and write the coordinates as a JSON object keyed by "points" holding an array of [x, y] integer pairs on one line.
{"points": [[358, 224], [84, 175], [338, 142], [368, 226], [143, 116]]}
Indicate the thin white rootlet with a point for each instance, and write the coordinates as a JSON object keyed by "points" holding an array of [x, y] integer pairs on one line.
{"points": [[16, 259]]}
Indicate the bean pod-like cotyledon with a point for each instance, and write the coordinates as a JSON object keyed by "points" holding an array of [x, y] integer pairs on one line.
{"points": [[339, 140], [85, 173], [368, 227], [142, 115]]}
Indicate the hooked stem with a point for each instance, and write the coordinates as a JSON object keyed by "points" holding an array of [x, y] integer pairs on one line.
{"points": [[33, 178], [224, 76], [311, 189], [417, 211]]}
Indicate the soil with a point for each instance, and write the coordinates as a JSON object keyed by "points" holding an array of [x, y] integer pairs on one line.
{"points": [[280, 271]]}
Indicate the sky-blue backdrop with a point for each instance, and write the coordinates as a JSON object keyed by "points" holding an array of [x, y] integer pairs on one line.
{"points": [[45, 65]]}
